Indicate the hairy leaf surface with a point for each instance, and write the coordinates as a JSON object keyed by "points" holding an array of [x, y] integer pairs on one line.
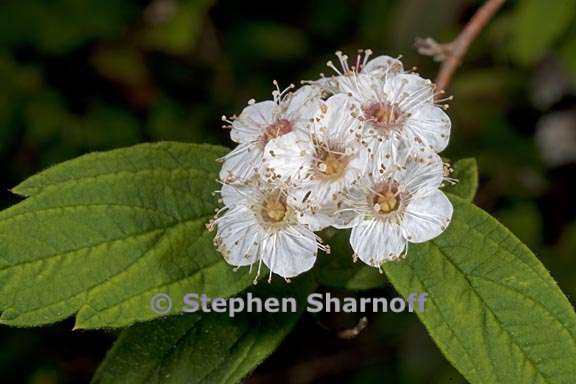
{"points": [[101, 234], [493, 309], [202, 347]]}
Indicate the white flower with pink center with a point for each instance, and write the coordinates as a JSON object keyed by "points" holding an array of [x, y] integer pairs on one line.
{"points": [[260, 123], [398, 110]]}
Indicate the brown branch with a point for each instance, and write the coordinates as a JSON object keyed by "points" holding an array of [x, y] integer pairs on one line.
{"points": [[452, 54]]}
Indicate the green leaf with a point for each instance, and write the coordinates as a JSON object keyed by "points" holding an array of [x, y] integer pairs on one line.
{"points": [[538, 24], [338, 270], [524, 219], [102, 234], [466, 174], [493, 309], [202, 348]]}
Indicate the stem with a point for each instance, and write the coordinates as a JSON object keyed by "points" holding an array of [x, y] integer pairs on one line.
{"points": [[460, 45]]}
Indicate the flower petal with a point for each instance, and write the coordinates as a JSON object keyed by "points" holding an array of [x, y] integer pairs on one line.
{"points": [[376, 241], [335, 119], [288, 157], [238, 236], [421, 174], [318, 220], [252, 122], [431, 124], [241, 163], [233, 195], [410, 90], [328, 84], [386, 154], [427, 217], [290, 251], [303, 104], [383, 63], [314, 216]]}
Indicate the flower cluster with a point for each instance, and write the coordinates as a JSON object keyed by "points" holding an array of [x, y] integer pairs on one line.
{"points": [[355, 150]]}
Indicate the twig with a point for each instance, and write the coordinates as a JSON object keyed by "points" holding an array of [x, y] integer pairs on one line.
{"points": [[451, 54], [351, 333]]}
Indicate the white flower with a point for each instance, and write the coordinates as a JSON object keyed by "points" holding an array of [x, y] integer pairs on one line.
{"points": [[260, 225], [399, 107], [259, 123], [356, 150], [403, 206], [322, 163]]}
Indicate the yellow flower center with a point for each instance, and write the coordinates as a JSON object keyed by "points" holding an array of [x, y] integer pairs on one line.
{"points": [[274, 209], [330, 164], [386, 202], [387, 198]]}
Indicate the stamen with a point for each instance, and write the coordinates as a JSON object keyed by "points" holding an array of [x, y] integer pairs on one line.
{"points": [[387, 198], [330, 162], [386, 117]]}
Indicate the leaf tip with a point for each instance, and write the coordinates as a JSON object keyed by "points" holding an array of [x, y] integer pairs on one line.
{"points": [[22, 190]]}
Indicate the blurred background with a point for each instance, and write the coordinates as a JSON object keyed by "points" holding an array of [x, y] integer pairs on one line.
{"points": [[84, 75]]}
